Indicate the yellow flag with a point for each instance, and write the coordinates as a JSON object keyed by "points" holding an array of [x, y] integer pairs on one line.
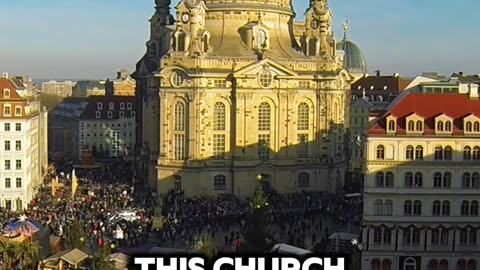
{"points": [[54, 189], [74, 184]]}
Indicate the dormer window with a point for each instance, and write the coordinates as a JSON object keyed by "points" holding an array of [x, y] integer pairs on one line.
{"points": [[448, 126], [6, 93], [440, 126], [411, 125], [99, 106], [468, 126], [111, 106], [476, 126], [419, 126], [391, 125]]}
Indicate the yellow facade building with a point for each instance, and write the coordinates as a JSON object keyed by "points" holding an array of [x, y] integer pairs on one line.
{"points": [[231, 91]]}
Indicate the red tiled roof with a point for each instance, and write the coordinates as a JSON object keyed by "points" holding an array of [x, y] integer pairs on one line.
{"points": [[90, 110], [15, 100], [429, 106]]}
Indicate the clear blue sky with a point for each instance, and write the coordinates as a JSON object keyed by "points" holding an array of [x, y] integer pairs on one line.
{"points": [[94, 38]]}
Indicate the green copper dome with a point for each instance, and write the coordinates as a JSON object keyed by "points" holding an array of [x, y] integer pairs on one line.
{"points": [[354, 60]]}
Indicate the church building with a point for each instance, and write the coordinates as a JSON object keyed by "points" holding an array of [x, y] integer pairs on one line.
{"points": [[233, 92]]}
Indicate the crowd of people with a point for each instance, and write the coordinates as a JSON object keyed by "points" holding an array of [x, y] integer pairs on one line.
{"points": [[301, 219]]}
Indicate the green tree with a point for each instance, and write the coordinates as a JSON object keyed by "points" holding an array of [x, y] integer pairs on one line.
{"points": [[50, 101], [103, 261], [7, 250], [75, 238], [27, 253], [256, 231], [206, 246]]}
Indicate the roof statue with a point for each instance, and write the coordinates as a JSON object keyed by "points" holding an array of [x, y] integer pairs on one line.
{"points": [[345, 29]]}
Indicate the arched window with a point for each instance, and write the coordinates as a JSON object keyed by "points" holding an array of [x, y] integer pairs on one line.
{"points": [[475, 180], [469, 126], [380, 180], [432, 265], [419, 126], [380, 152], [439, 126], [437, 180], [443, 265], [387, 236], [179, 116], [219, 116], [447, 180], [303, 180], [466, 180], [461, 264], [377, 236], [260, 39], [378, 207], [476, 153], [418, 183], [448, 126], [476, 126], [312, 46], [445, 208], [181, 42], [411, 125], [447, 153], [472, 265], [438, 153], [205, 43], [6, 93], [464, 210], [391, 125], [303, 113], [376, 264], [408, 180], [419, 152], [389, 180], [409, 152], [407, 208], [474, 208], [264, 114], [417, 208], [467, 153], [386, 264], [219, 182], [410, 264], [436, 208], [388, 208]]}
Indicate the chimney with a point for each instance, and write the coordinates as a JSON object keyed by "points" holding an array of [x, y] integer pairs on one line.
{"points": [[109, 88], [473, 93], [5, 75], [396, 75]]}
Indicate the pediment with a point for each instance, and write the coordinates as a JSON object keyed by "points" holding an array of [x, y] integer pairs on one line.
{"points": [[471, 117], [443, 117], [414, 116], [255, 68]]}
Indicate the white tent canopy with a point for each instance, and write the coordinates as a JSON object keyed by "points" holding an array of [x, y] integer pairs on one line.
{"points": [[288, 249]]}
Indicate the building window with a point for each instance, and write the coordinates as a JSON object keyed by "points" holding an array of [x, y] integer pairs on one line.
{"points": [[7, 110], [218, 146], [19, 205], [109, 114], [391, 125], [446, 208], [18, 126], [411, 125], [409, 153], [179, 121], [476, 153], [476, 126], [264, 114], [18, 182], [407, 208], [464, 210], [132, 114], [447, 180], [177, 80], [438, 153], [121, 114], [129, 106], [303, 180], [377, 236], [8, 182], [98, 114], [264, 146], [436, 209], [437, 180], [417, 208], [419, 152], [419, 126], [219, 113], [408, 180], [265, 78], [418, 183], [388, 208], [302, 121], [18, 145], [378, 208], [447, 153], [475, 180], [466, 180], [474, 208], [389, 180], [302, 150], [433, 264], [220, 83], [467, 153], [472, 265], [219, 182], [468, 127], [122, 106], [440, 126], [380, 152], [111, 106], [18, 111], [99, 106], [380, 180], [8, 165], [6, 93], [7, 145], [18, 164], [179, 146]]}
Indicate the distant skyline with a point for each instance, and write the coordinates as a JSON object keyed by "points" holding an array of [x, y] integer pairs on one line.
{"points": [[91, 39]]}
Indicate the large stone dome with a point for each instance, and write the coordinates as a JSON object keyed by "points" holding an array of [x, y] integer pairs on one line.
{"points": [[354, 60]]}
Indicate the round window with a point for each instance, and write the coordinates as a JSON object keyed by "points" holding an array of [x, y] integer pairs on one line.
{"points": [[177, 79], [265, 78]]}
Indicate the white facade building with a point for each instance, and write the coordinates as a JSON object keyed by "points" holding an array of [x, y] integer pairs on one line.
{"points": [[422, 185]]}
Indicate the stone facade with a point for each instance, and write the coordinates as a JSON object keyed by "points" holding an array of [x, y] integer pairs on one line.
{"points": [[226, 94]]}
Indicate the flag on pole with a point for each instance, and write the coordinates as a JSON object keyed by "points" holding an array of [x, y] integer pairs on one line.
{"points": [[74, 183]]}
